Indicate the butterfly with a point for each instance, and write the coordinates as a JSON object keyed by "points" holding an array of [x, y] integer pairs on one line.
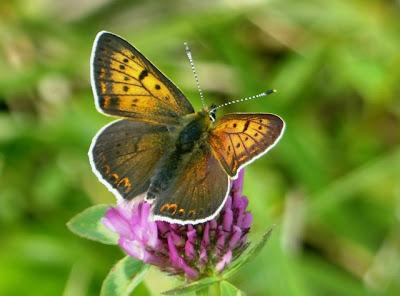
{"points": [[180, 160]]}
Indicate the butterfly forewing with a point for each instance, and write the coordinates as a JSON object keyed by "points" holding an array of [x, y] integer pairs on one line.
{"points": [[126, 84], [125, 153], [239, 138]]}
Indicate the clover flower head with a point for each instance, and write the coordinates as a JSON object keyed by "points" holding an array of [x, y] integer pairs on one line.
{"points": [[192, 251]]}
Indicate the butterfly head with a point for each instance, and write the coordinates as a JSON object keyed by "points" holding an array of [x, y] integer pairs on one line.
{"points": [[207, 114]]}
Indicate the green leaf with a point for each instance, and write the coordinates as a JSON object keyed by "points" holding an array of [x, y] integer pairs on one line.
{"points": [[227, 289], [88, 225], [250, 254], [124, 277], [193, 287]]}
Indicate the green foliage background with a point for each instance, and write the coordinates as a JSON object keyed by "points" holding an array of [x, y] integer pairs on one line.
{"points": [[331, 185]]}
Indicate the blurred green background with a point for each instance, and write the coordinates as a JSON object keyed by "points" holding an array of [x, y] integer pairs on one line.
{"points": [[331, 186]]}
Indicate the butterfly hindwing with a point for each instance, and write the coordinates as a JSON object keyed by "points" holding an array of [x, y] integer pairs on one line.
{"points": [[238, 138], [126, 84], [124, 155], [198, 191]]}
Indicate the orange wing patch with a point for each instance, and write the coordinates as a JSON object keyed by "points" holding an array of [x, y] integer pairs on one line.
{"points": [[239, 138], [126, 84]]}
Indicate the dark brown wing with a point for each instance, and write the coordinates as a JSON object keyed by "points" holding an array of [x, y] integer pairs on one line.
{"points": [[124, 154], [198, 191], [239, 138]]}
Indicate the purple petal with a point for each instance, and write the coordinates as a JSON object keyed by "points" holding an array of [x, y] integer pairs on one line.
{"points": [[190, 272], [189, 250], [173, 252], [213, 224], [206, 235], [144, 213], [203, 257], [145, 233], [191, 234], [237, 185], [221, 238], [163, 227], [127, 209], [152, 235], [227, 219], [228, 203], [178, 261], [236, 236], [133, 248], [240, 202], [226, 259], [175, 227], [176, 239], [117, 223], [246, 221]]}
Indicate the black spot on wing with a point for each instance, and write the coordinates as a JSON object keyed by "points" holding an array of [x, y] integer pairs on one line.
{"points": [[246, 125], [143, 74], [114, 101]]}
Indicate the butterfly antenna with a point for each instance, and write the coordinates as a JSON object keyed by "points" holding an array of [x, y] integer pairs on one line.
{"points": [[196, 77], [263, 94]]}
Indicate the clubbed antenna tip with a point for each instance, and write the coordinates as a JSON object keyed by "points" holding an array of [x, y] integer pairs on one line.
{"points": [[270, 91]]}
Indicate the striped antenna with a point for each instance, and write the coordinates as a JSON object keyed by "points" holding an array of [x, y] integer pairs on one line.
{"points": [[263, 94], [196, 78]]}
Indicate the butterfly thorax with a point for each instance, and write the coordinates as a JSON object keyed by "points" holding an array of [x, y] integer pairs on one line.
{"points": [[194, 129]]}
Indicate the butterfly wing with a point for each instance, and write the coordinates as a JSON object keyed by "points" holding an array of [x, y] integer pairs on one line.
{"points": [[239, 138], [126, 84], [124, 154], [198, 192]]}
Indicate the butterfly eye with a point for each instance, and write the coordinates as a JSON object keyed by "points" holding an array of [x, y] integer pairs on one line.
{"points": [[212, 112]]}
